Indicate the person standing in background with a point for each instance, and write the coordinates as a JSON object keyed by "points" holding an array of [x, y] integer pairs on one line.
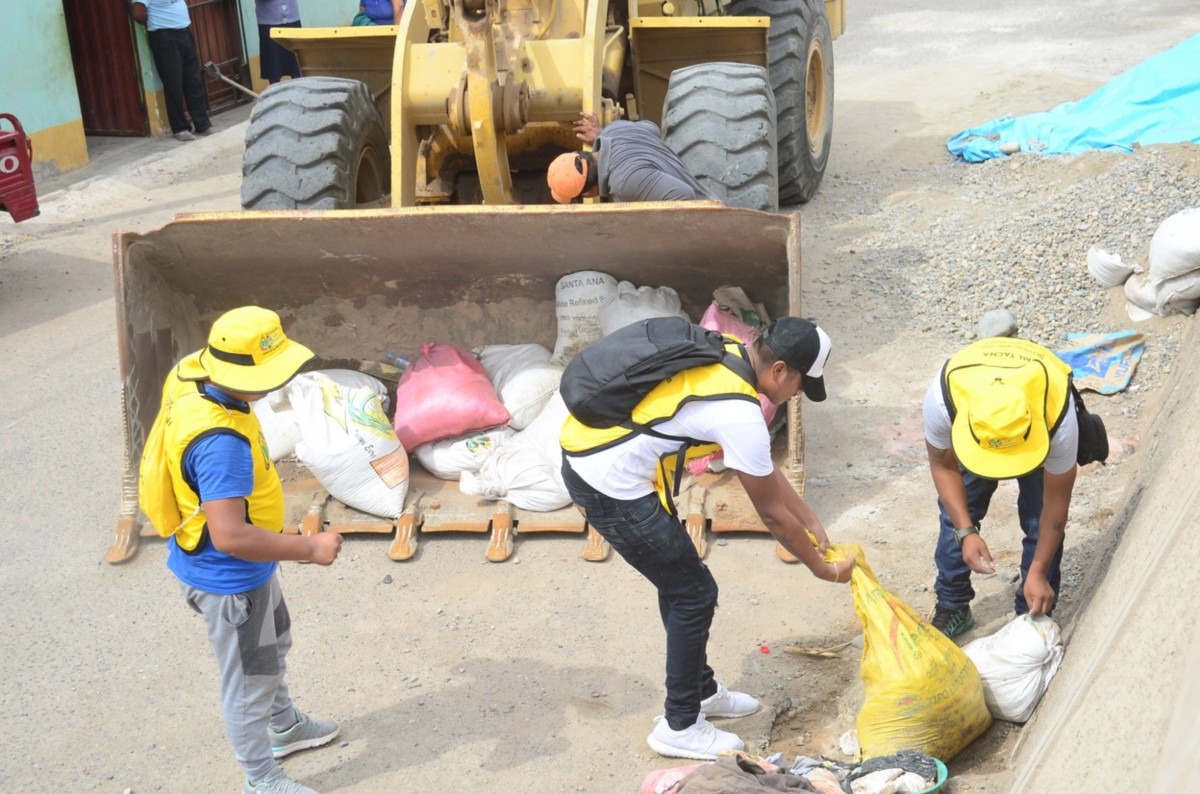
{"points": [[274, 60], [169, 33]]}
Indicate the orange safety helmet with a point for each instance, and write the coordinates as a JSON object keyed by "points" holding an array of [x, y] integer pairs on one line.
{"points": [[568, 176]]}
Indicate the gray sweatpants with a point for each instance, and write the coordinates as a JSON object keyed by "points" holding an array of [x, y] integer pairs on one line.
{"points": [[250, 634]]}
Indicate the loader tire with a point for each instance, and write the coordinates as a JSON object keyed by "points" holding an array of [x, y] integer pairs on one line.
{"points": [[315, 143], [720, 119], [801, 67]]}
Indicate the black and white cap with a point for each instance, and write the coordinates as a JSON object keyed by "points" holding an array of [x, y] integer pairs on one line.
{"points": [[803, 346]]}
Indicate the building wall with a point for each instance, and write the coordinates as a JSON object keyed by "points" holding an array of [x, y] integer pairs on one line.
{"points": [[38, 86]]}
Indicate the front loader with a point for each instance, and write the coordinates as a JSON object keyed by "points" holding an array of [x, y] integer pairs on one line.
{"points": [[395, 195]]}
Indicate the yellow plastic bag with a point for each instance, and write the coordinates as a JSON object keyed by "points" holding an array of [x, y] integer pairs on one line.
{"points": [[922, 692]]}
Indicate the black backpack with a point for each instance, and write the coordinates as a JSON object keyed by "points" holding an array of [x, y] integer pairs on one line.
{"points": [[1093, 438], [607, 379]]}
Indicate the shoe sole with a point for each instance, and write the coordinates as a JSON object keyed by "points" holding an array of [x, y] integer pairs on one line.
{"points": [[719, 714], [675, 752], [304, 744]]}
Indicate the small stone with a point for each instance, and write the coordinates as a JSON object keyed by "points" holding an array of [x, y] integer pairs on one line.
{"points": [[998, 322], [387, 579], [1012, 577]]}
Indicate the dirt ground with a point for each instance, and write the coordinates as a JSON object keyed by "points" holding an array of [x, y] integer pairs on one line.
{"points": [[543, 673]]}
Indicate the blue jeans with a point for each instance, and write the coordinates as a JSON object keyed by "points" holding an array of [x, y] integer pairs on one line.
{"points": [[953, 585], [658, 547]]}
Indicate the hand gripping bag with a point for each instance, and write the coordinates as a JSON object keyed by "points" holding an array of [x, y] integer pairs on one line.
{"points": [[921, 691]]}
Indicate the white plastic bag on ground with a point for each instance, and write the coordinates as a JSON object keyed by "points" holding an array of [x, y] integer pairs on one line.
{"points": [[348, 444], [450, 457], [527, 470], [524, 379], [1016, 665], [633, 304], [1108, 268], [278, 419], [578, 298]]}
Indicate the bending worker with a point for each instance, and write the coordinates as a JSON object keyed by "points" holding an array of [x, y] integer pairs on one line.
{"points": [[611, 475], [1000, 409], [629, 162]]}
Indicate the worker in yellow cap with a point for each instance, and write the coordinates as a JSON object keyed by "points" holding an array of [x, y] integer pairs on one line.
{"points": [[629, 162], [226, 549], [1000, 409]]}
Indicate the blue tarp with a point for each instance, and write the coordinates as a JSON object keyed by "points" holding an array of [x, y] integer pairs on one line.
{"points": [[1157, 101]]}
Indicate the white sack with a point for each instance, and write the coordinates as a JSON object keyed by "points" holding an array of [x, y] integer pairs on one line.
{"points": [[634, 304], [1175, 246], [523, 377], [578, 298], [1178, 294], [347, 442], [1016, 665], [280, 426], [527, 470], [450, 457]]}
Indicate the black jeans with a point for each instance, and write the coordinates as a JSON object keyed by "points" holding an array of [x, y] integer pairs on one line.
{"points": [[658, 547], [178, 66]]}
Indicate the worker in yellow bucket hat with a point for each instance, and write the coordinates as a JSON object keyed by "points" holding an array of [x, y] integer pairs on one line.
{"points": [[1000, 409]]}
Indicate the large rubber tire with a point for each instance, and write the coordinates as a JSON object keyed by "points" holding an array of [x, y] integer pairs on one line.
{"points": [[720, 119], [801, 60], [315, 143]]}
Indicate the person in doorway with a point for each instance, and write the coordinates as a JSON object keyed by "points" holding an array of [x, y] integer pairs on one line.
{"points": [[379, 12], [275, 61], [227, 550], [620, 478], [169, 33], [629, 162], [1000, 409]]}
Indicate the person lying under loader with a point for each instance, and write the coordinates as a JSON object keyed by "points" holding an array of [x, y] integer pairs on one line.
{"points": [[628, 162], [611, 475]]}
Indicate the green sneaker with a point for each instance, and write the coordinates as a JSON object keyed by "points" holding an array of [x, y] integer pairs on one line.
{"points": [[276, 782], [952, 622], [304, 734]]}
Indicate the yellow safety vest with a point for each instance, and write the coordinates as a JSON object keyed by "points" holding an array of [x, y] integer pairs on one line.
{"points": [[191, 414], [1038, 372], [710, 382]]}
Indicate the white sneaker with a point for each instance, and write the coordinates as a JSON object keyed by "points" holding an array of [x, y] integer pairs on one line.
{"points": [[726, 703], [702, 741]]}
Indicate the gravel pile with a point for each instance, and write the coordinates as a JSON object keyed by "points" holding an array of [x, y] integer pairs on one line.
{"points": [[1015, 234]]}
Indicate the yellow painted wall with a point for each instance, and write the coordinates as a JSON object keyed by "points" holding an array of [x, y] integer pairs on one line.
{"points": [[63, 146]]}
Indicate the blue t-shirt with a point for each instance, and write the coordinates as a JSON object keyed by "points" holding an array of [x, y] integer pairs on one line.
{"points": [[221, 467], [380, 11]]}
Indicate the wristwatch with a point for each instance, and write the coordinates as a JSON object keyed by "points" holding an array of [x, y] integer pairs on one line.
{"points": [[961, 534]]}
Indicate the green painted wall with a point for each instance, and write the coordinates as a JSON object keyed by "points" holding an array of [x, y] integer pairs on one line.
{"points": [[38, 83]]}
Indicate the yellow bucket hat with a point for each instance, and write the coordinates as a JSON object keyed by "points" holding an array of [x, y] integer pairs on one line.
{"points": [[247, 352], [999, 429]]}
